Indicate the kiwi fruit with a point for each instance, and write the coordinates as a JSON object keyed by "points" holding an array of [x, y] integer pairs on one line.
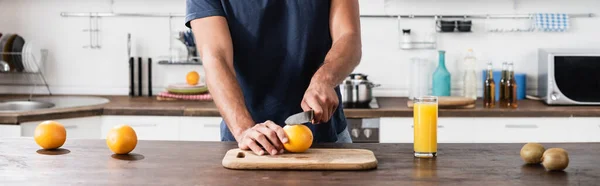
{"points": [[532, 153], [555, 159]]}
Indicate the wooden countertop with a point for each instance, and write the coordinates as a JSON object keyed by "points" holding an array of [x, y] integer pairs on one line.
{"points": [[89, 162], [389, 107]]}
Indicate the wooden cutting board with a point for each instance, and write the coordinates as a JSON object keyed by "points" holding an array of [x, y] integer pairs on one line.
{"points": [[451, 102], [312, 159]]}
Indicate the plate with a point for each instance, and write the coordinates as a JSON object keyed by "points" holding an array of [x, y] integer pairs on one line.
{"points": [[7, 49], [183, 88], [17, 47], [34, 56]]}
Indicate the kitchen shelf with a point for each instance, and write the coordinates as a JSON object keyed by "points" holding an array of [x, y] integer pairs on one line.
{"points": [[418, 45]]}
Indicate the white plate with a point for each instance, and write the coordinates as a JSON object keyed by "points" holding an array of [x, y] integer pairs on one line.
{"points": [[25, 55], [34, 59]]}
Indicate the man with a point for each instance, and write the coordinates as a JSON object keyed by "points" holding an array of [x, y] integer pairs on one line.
{"points": [[268, 59]]}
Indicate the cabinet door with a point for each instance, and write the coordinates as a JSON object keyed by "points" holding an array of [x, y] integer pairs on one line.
{"points": [[10, 131], [146, 127], [82, 128], [200, 129], [396, 130]]}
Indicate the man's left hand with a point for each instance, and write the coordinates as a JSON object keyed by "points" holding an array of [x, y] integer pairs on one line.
{"points": [[322, 99]]}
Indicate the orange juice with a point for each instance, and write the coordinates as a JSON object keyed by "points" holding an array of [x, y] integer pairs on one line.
{"points": [[425, 128]]}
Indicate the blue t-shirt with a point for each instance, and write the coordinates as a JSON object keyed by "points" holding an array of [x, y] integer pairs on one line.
{"points": [[277, 47]]}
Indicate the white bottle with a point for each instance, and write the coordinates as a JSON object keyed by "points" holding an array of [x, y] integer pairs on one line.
{"points": [[470, 76]]}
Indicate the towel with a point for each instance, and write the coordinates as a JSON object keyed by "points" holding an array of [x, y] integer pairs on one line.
{"points": [[552, 22], [196, 97]]}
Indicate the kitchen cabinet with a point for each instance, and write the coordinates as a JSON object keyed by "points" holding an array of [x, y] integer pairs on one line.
{"points": [[82, 128], [146, 127], [10, 131], [200, 129], [497, 130]]}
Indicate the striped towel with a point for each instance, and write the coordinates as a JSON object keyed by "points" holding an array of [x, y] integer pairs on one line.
{"points": [[551, 22], [195, 97]]}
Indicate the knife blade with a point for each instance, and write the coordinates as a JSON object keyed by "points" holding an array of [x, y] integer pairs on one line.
{"points": [[300, 118]]}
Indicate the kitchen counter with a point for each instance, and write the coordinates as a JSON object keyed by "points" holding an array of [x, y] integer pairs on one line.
{"points": [[389, 107], [89, 162]]}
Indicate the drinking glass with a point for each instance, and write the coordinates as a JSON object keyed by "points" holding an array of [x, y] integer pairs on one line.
{"points": [[425, 112]]}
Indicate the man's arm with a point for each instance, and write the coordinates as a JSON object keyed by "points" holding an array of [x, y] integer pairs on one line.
{"points": [[215, 47], [342, 58]]}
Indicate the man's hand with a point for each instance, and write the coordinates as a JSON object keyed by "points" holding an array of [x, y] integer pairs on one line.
{"points": [[268, 135], [322, 99]]}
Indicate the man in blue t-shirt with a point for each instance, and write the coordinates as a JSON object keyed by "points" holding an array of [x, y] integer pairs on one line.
{"points": [[268, 59]]}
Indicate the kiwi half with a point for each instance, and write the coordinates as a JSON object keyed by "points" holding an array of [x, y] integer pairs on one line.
{"points": [[532, 153], [555, 159]]}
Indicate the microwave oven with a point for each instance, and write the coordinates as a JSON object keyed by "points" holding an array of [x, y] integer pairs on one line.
{"points": [[569, 76]]}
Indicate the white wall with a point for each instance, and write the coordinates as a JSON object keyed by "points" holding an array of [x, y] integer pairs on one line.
{"points": [[72, 69]]}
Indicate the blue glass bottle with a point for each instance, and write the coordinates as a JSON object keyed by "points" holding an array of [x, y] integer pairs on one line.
{"points": [[441, 77]]}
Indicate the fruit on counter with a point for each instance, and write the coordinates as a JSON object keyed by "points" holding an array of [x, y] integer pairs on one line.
{"points": [[121, 139], [300, 138], [50, 135], [531, 153], [555, 159], [192, 78]]}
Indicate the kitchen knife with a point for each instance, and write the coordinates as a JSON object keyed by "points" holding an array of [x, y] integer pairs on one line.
{"points": [[300, 118]]}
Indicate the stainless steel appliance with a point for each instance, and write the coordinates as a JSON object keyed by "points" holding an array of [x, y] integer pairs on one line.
{"points": [[569, 76], [357, 91], [364, 130]]}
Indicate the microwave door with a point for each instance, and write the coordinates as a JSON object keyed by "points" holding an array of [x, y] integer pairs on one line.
{"points": [[578, 77]]}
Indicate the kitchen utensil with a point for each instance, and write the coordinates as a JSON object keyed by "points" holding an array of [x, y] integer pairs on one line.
{"points": [[7, 57], [184, 88], [131, 77], [420, 77], [139, 76], [446, 26], [149, 77], [17, 47], [464, 25], [33, 56], [312, 159], [362, 90], [4, 67], [448, 102], [300, 118], [346, 89]]}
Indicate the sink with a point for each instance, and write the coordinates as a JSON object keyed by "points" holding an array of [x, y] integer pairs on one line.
{"points": [[24, 105], [49, 102]]}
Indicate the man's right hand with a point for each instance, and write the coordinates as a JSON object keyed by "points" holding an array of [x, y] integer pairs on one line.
{"points": [[268, 135]]}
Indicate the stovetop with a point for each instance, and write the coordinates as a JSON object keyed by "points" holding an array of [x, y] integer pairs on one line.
{"points": [[372, 105]]}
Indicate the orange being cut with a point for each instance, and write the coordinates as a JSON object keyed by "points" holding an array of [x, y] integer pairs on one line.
{"points": [[50, 135], [299, 138], [121, 139], [192, 78]]}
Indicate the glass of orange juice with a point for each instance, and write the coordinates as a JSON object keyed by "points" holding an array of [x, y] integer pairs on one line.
{"points": [[425, 112]]}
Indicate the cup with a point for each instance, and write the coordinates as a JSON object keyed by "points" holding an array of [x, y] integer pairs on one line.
{"points": [[425, 110]]}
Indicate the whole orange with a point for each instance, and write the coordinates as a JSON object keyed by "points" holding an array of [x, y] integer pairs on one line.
{"points": [[192, 78], [121, 139], [50, 135], [299, 138]]}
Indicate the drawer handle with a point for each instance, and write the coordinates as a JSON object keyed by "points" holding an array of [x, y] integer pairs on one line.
{"points": [[212, 125], [143, 125], [71, 127], [439, 126], [521, 126]]}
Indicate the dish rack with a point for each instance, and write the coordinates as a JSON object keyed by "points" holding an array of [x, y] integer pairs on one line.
{"points": [[31, 75]]}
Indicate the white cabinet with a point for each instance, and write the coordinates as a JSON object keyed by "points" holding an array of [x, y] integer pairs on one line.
{"points": [[10, 131], [77, 128], [200, 129], [146, 127], [497, 130]]}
